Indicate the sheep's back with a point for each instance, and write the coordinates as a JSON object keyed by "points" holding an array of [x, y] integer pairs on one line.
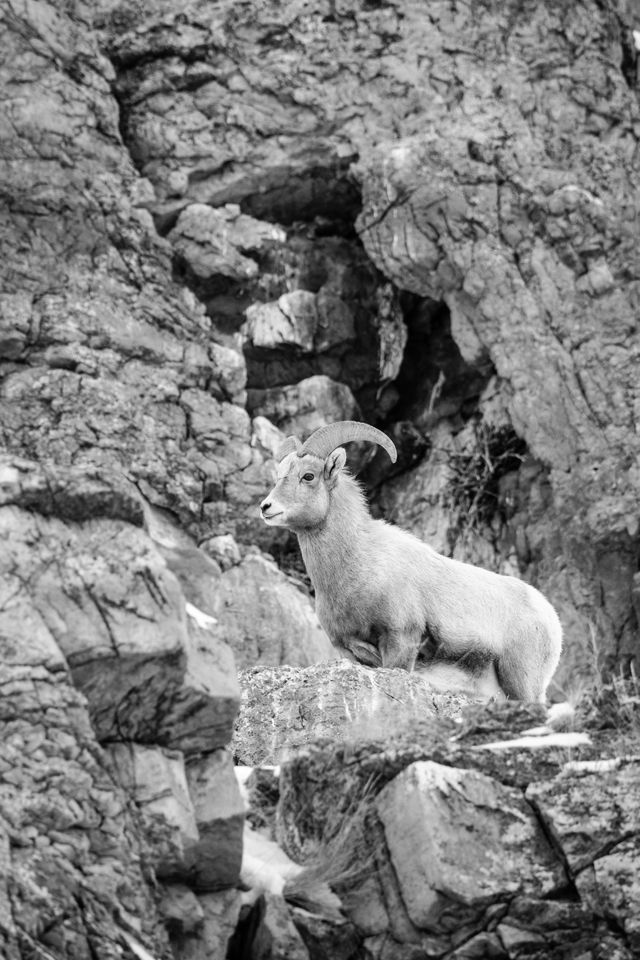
{"points": [[456, 601]]}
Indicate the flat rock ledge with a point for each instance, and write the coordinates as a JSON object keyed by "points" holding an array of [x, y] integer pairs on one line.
{"points": [[287, 708]]}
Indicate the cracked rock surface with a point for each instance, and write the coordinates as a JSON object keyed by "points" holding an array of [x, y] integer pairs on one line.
{"points": [[434, 851], [485, 160], [220, 223]]}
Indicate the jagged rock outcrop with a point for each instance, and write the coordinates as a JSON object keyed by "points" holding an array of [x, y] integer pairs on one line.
{"points": [[100, 593], [486, 834], [193, 812], [496, 182], [74, 876], [539, 870], [105, 360], [245, 602], [117, 705], [532, 257]]}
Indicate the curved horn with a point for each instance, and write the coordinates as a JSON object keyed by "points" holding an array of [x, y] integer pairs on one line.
{"points": [[288, 445], [326, 439]]}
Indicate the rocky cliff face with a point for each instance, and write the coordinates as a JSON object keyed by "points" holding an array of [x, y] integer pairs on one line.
{"points": [[483, 157], [222, 223], [423, 219]]}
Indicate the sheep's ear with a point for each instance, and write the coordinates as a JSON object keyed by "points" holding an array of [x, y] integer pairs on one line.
{"points": [[334, 464]]}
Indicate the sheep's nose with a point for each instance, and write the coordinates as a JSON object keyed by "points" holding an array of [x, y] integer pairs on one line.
{"points": [[264, 506]]}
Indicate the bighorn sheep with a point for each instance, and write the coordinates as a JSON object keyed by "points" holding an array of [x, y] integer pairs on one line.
{"points": [[383, 596]]}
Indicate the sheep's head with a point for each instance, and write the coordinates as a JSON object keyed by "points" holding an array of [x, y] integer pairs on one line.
{"points": [[307, 473]]}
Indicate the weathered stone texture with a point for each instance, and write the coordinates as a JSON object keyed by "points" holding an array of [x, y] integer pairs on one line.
{"points": [[497, 176], [519, 211], [74, 879], [155, 778], [193, 816], [271, 218], [504, 850], [106, 597], [310, 322], [265, 619], [286, 708], [432, 855], [585, 830], [87, 598], [215, 242], [106, 362], [593, 816]]}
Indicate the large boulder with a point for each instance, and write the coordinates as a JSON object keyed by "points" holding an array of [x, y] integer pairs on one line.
{"points": [[193, 813], [217, 242], [505, 854], [309, 322], [303, 407], [241, 601], [155, 778], [118, 615], [265, 619]]}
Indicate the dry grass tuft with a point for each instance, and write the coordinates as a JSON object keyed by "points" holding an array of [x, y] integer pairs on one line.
{"points": [[474, 488], [613, 705], [344, 861]]}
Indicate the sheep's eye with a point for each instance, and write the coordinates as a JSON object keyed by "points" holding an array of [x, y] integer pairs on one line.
{"points": [[308, 477]]}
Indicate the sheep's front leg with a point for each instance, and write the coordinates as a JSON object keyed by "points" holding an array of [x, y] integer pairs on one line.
{"points": [[359, 651], [399, 648]]}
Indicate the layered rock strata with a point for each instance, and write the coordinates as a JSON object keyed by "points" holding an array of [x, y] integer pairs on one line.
{"points": [[425, 218], [493, 182]]}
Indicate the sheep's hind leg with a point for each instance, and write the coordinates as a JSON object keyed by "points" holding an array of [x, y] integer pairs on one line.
{"points": [[527, 663], [521, 680]]}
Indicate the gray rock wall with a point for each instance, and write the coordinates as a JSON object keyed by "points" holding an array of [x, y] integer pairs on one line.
{"points": [[215, 216], [492, 177], [326, 187], [117, 705]]}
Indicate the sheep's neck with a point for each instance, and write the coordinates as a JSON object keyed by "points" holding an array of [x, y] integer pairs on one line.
{"points": [[332, 548]]}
